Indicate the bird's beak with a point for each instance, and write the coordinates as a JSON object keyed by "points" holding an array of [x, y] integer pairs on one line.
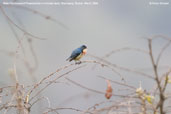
{"points": [[84, 51]]}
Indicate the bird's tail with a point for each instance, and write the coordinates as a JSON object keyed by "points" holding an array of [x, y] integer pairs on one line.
{"points": [[68, 59]]}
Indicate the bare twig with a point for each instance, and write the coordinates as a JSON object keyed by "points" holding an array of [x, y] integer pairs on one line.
{"points": [[25, 32], [55, 81], [162, 98]]}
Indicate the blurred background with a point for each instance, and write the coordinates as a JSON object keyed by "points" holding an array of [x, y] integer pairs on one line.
{"points": [[109, 25]]}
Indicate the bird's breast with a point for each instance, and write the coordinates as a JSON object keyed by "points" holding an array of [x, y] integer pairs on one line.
{"points": [[79, 56]]}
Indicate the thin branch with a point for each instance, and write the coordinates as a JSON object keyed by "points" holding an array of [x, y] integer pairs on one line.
{"points": [[54, 81], [125, 49], [93, 90], [47, 77], [161, 52], [63, 108], [47, 17], [25, 32], [41, 99], [107, 63], [162, 98], [119, 83]]}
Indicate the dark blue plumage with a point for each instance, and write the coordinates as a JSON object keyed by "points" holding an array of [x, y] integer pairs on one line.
{"points": [[78, 53]]}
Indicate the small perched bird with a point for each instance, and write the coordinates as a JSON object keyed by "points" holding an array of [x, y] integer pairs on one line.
{"points": [[78, 53]]}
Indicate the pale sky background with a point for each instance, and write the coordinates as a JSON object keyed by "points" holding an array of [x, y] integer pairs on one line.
{"points": [[110, 25]]}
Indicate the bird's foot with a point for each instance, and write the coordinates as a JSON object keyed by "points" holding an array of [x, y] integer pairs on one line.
{"points": [[79, 62]]}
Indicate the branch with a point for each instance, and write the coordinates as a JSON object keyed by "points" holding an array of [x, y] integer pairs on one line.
{"points": [[25, 32]]}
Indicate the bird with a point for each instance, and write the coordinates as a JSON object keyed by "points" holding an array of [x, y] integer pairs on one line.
{"points": [[77, 54]]}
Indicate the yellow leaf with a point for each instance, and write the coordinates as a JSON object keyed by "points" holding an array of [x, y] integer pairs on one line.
{"points": [[27, 99], [169, 81], [149, 98]]}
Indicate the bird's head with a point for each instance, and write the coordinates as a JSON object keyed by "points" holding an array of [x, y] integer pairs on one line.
{"points": [[84, 49]]}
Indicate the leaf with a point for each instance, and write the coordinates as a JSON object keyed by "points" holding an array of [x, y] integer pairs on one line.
{"points": [[108, 90], [149, 98], [169, 81], [27, 98]]}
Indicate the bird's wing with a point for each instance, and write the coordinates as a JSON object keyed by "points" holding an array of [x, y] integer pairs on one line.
{"points": [[75, 53]]}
